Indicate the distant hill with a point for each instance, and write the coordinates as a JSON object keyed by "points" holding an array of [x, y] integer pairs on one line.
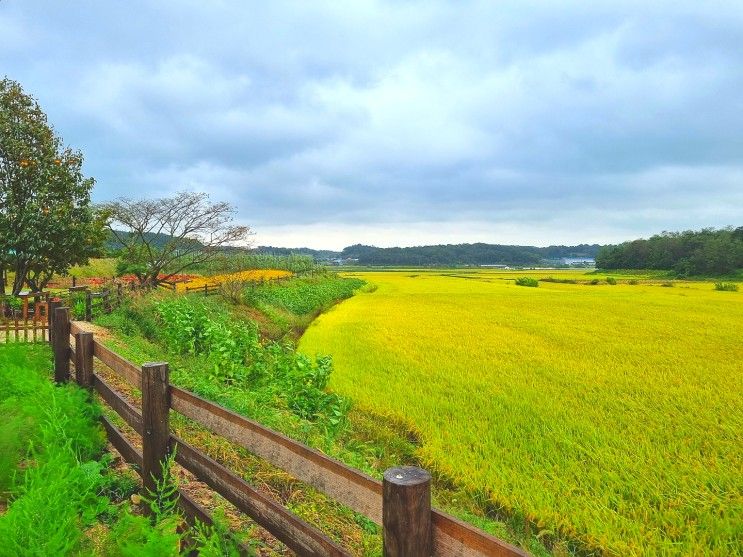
{"points": [[424, 256], [445, 255], [689, 253], [468, 254]]}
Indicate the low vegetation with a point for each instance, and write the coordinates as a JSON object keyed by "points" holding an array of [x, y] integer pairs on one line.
{"points": [[527, 281], [726, 286], [599, 415], [62, 496]]}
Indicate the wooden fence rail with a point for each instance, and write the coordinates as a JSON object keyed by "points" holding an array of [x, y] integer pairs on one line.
{"points": [[400, 504], [25, 318]]}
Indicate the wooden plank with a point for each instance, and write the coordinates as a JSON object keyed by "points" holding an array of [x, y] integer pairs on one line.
{"points": [[155, 422], [354, 489], [130, 414], [192, 509], [61, 345], [454, 538], [122, 444], [407, 512], [120, 365], [295, 533], [84, 359]]}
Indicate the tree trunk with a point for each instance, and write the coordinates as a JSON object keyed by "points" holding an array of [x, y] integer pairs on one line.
{"points": [[21, 270]]}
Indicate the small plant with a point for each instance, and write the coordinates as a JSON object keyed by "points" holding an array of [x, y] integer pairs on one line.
{"points": [[611, 280], [633, 282], [726, 286], [667, 284], [558, 280], [594, 281], [527, 281]]}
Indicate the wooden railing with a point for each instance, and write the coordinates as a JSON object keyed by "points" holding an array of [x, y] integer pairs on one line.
{"points": [[28, 321], [400, 503]]}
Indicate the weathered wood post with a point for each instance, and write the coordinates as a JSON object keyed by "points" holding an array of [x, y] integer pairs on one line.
{"points": [[74, 281], [88, 305], [84, 359], [107, 300], [155, 421], [61, 345], [54, 303], [406, 512]]}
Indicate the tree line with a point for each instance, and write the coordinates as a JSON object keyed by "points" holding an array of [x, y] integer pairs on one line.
{"points": [[466, 254], [705, 252]]}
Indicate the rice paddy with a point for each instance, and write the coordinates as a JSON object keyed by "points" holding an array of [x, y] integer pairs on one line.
{"points": [[610, 415], [253, 275]]}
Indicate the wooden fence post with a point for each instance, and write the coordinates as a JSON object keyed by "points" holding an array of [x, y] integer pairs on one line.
{"points": [[155, 421], [74, 281], [53, 305], [61, 345], [88, 305], [406, 512], [107, 300], [84, 359], [119, 294]]}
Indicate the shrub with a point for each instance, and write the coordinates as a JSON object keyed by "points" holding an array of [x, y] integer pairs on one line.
{"points": [[667, 284], [726, 286], [633, 281], [611, 280], [527, 281], [595, 281], [558, 280]]}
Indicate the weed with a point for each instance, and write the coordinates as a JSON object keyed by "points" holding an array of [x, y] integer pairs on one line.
{"points": [[726, 286], [527, 281]]}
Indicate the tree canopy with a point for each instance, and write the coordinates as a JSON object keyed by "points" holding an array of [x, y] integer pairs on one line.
{"points": [[47, 223], [703, 252], [159, 238]]}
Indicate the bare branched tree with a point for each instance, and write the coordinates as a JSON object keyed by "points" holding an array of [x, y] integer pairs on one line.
{"points": [[160, 238]]}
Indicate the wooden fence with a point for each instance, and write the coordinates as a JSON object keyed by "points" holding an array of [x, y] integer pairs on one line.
{"points": [[25, 317], [400, 503]]}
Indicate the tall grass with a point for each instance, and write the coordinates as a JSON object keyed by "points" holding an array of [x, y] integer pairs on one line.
{"points": [[606, 416], [54, 475]]}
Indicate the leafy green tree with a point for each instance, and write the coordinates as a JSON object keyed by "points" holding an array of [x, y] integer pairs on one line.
{"points": [[47, 223]]}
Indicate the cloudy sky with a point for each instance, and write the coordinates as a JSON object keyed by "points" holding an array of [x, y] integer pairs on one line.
{"points": [[401, 123]]}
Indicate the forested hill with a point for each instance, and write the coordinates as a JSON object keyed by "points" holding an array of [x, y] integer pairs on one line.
{"points": [[445, 255], [466, 254], [703, 252]]}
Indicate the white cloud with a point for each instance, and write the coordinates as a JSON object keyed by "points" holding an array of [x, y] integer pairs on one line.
{"points": [[422, 121]]}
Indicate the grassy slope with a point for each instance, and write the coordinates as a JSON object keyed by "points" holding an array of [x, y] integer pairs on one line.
{"points": [[608, 413]]}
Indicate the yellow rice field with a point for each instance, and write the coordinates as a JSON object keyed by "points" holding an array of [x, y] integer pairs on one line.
{"points": [[256, 275], [610, 414]]}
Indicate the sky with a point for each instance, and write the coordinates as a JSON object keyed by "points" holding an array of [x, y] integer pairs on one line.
{"points": [[401, 123]]}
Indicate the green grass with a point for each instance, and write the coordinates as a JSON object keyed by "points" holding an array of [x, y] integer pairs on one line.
{"points": [[62, 498], [606, 415], [287, 307]]}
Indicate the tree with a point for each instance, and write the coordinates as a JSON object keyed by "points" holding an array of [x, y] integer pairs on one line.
{"points": [[163, 237], [47, 223]]}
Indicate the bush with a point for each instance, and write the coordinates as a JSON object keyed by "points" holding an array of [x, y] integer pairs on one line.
{"points": [[594, 281], [558, 280], [611, 280], [726, 286], [527, 281], [667, 284], [633, 282]]}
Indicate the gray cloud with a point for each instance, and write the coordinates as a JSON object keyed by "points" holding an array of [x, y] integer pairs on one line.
{"points": [[421, 121]]}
